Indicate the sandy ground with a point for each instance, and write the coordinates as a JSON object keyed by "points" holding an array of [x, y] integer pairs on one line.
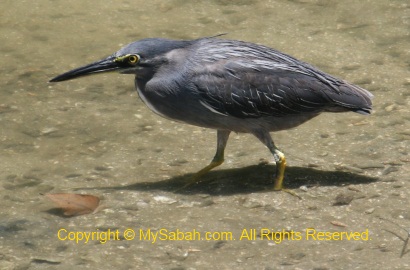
{"points": [[94, 136]]}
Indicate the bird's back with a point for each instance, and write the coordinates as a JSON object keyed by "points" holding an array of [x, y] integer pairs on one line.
{"points": [[248, 80]]}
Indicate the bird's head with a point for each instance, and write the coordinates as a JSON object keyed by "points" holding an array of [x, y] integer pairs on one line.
{"points": [[139, 58]]}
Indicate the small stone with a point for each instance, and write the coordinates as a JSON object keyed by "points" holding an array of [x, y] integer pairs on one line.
{"points": [[269, 208], [73, 175], [47, 131], [343, 199], [303, 188], [251, 204], [178, 162], [45, 261], [164, 199], [350, 187], [297, 256], [370, 165], [390, 108], [102, 168], [206, 203], [44, 188], [369, 211], [348, 168], [389, 170], [178, 255], [219, 244], [312, 165], [312, 207], [142, 204]]}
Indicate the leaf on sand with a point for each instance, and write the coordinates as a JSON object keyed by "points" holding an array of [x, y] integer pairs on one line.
{"points": [[74, 204]]}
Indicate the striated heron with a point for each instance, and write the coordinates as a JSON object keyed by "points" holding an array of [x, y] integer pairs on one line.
{"points": [[229, 85]]}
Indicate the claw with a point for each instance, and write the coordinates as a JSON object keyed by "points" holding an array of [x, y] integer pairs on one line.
{"points": [[196, 177]]}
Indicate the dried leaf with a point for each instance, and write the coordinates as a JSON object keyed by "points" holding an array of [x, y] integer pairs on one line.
{"points": [[74, 204]]}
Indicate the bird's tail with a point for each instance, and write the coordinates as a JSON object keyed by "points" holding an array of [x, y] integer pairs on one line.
{"points": [[353, 98]]}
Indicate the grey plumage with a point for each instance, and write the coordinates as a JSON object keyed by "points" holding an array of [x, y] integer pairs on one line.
{"points": [[242, 80], [230, 85]]}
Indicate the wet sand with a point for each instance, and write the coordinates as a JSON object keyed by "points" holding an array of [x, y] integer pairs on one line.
{"points": [[94, 136]]}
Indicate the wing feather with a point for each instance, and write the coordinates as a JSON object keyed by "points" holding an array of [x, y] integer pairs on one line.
{"points": [[248, 80]]}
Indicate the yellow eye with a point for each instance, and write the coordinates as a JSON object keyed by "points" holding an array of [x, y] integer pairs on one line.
{"points": [[133, 59]]}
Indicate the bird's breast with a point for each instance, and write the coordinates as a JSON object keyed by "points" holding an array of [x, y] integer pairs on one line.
{"points": [[149, 104], [165, 100]]}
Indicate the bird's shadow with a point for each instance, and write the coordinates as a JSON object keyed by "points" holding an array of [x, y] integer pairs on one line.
{"points": [[255, 178]]}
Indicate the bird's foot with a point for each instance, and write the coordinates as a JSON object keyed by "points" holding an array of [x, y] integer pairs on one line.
{"points": [[196, 178], [280, 175]]}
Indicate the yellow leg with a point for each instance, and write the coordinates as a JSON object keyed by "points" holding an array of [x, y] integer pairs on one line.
{"points": [[280, 160], [214, 163], [280, 173], [280, 170], [222, 139]]}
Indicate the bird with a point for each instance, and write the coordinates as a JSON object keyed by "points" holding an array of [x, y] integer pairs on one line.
{"points": [[230, 86]]}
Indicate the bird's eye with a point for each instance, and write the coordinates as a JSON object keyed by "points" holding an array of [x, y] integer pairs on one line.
{"points": [[133, 59]]}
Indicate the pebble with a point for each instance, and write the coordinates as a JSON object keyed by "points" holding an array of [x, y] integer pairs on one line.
{"points": [[45, 261], [251, 204], [405, 132], [369, 211], [32, 133], [353, 169], [206, 203], [369, 165], [313, 165], [23, 183], [102, 168], [47, 131], [178, 162], [219, 244], [164, 199], [7, 108], [303, 188], [142, 204], [390, 108], [177, 255], [343, 199], [389, 170], [73, 175], [350, 187], [44, 188], [298, 256]]}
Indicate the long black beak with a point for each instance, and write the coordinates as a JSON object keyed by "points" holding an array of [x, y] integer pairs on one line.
{"points": [[104, 65]]}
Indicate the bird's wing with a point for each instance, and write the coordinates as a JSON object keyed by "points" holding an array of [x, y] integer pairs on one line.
{"points": [[244, 91]]}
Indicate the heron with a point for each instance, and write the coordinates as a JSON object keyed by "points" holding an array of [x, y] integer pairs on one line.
{"points": [[230, 86]]}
